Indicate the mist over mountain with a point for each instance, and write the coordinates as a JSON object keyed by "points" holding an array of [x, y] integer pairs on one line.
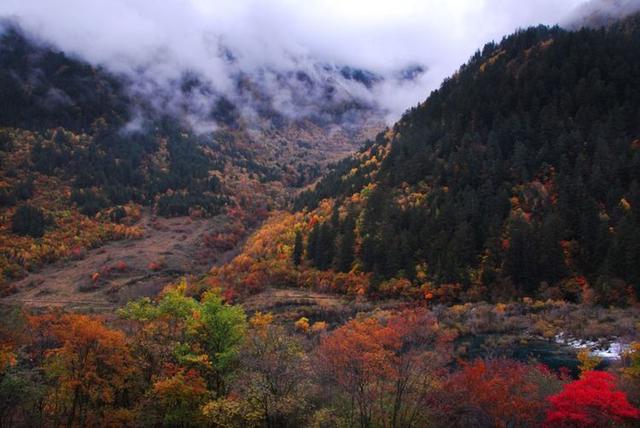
{"points": [[597, 13], [276, 58], [326, 94]]}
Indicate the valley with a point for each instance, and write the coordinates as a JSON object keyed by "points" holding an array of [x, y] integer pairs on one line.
{"points": [[232, 221]]}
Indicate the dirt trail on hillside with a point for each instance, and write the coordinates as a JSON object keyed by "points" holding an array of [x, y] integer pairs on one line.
{"points": [[109, 276]]}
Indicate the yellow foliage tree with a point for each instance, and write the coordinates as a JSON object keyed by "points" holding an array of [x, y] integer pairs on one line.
{"points": [[303, 324], [632, 362], [588, 362]]}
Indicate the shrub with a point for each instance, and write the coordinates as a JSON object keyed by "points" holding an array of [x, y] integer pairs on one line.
{"points": [[28, 220], [23, 190], [89, 202], [117, 214]]}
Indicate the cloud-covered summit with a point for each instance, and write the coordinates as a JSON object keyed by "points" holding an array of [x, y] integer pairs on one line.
{"points": [[387, 54]]}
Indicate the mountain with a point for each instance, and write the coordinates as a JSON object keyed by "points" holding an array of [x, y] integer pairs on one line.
{"points": [[88, 156], [519, 176], [168, 257]]}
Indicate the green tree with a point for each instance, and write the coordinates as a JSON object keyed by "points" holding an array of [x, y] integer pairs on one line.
{"points": [[202, 335], [520, 261], [218, 329], [326, 246]]}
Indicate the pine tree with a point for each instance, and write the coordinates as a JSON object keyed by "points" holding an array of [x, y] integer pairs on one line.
{"points": [[325, 248], [312, 244], [345, 256], [28, 220], [297, 249], [520, 260]]}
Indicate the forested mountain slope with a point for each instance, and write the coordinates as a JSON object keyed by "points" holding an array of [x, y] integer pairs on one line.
{"points": [[465, 268], [520, 175], [82, 151]]}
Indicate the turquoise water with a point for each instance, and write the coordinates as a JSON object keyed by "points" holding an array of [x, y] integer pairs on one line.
{"points": [[548, 352]]}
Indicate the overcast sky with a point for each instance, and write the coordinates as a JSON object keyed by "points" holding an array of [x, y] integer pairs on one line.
{"points": [[171, 36]]}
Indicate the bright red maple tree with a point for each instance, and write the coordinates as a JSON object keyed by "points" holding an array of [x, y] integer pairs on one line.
{"points": [[591, 401]]}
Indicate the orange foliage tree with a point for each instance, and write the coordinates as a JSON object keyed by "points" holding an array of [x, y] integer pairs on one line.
{"points": [[386, 369], [358, 357], [89, 363], [424, 351]]}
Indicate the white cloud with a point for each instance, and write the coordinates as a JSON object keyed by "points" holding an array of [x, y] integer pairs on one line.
{"points": [[166, 38]]}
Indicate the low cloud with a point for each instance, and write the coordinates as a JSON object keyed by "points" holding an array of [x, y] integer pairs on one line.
{"points": [[600, 12], [157, 43]]}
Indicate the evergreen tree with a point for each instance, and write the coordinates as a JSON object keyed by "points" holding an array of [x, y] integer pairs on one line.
{"points": [[345, 253], [28, 220], [325, 249], [297, 249], [521, 259], [312, 243], [534, 143]]}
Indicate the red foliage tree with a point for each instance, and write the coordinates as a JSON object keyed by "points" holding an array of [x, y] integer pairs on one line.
{"points": [[591, 401], [420, 359], [499, 393]]}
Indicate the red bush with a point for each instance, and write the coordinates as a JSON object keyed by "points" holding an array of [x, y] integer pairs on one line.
{"points": [[592, 401]]}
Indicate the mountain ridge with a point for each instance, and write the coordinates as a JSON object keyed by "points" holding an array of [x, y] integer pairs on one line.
{"points": [[518, 176]]}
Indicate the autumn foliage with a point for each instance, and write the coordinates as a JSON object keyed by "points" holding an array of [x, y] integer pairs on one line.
{"points": [[386, 368], [193, 360], [500, 393], [592, 401], [89, 363]]}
